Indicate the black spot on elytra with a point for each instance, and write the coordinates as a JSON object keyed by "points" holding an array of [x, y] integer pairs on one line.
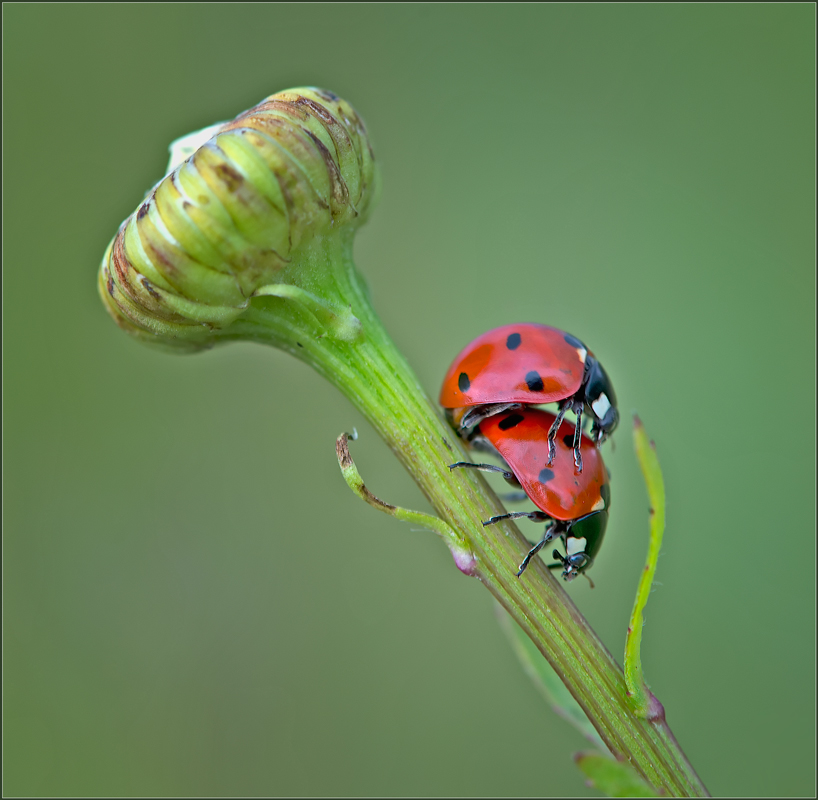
{"points": [[568, 441], [463, 382], [573, 341], [513, 341], [546, 475], [510, 421], [534, 381], [605, 493]]}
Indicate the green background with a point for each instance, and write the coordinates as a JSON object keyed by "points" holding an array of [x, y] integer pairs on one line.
{"points": [[195, 603]]}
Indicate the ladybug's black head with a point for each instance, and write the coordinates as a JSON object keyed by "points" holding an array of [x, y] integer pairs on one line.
{"points": [[582, 542], [600, 400], [573, 565]]}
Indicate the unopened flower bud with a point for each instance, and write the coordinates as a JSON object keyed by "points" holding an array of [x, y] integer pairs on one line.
{"points": [[227, 220]]}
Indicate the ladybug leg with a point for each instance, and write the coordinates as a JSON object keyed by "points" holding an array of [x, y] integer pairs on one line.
{"points": [[561, 561], [552, 433], [477, 414], [509, 476], [578, 437], [547, 537], [479, 444], [537, 516]]}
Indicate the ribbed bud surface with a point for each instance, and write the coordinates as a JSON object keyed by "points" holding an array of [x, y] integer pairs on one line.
{"points": [[226, 220]]}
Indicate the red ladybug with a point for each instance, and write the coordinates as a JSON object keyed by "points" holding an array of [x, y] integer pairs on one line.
{"points": [[574, 506], [530, 364]]}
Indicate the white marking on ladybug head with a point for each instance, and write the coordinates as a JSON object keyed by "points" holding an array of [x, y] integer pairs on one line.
{"points": [[582, 353], [599, 505], [574, 545], [601, 406]]}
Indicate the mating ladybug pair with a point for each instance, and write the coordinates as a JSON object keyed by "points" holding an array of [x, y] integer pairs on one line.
{"points": [[487, 394]]}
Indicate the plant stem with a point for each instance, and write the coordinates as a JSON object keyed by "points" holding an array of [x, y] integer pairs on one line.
{"points": [[373, 374], [641, 698]]}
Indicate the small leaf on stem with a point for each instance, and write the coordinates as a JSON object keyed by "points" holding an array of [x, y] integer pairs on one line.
{"points": [[611, 777]]}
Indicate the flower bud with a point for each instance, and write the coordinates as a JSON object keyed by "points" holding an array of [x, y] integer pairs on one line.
{"points": [[228, 219]]}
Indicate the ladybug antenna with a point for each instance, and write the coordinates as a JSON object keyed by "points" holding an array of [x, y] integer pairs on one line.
{"points": [[585, 574]]}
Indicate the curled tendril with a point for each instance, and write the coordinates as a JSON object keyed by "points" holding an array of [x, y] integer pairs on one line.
{"points": [[229, 218]]}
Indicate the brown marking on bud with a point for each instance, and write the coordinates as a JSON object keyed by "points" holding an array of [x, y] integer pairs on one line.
{"points": [[290, 137], [289, 107], [232, 178], [119, 261], [327, 95], [320, 111], [109, 282], [338, 187], [143, 210], [157, 254], [150, 290], [292, 118], [126, 278]]}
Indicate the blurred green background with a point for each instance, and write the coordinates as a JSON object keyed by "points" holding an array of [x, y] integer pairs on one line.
{"points": [[195, 604]]}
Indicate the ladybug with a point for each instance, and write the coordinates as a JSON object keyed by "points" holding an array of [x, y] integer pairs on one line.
{"points": [[530, 364], [574, 506]]}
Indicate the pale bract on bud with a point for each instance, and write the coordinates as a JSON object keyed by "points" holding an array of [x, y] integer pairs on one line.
{"points": [[242, 202]]}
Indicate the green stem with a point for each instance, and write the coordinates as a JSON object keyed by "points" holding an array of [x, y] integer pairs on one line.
{"points": [[373, 374], [641, 698]]}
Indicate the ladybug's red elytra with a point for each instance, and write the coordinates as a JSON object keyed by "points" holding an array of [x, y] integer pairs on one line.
{"points": [[530, 364], [574, 505]]}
